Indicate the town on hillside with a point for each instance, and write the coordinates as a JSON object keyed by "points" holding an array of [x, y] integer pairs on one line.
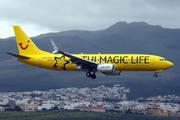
{"points": [[99, 99]]}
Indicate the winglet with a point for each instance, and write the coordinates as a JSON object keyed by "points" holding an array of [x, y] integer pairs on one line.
{"points": [[54, 47]]}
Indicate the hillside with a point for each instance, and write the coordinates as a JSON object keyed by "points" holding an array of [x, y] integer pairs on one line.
{"points": [[122, 37]]}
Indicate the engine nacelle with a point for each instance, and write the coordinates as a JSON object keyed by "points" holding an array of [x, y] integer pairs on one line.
{"points": [[106, 67], [112, 73], [78, 68]]}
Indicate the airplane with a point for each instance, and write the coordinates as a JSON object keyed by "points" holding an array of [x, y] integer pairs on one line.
{"points": [[108, 64]]}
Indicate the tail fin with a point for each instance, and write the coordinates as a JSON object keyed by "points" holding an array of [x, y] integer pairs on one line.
{"points": [[25, 44]]}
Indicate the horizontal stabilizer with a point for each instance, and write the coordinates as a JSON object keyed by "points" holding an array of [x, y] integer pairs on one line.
{"points": [[18, 56]]}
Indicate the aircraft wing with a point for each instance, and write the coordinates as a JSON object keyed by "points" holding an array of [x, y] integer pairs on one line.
{"points": [[85, 65], [82, 64]]}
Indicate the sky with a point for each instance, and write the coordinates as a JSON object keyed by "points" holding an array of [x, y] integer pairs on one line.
{"points": [[43, 16]]}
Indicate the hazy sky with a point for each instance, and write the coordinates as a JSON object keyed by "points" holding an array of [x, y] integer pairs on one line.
{"points": [[42, 16]]}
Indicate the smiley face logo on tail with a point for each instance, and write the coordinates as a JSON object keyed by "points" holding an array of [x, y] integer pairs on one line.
{"points": [[22, 47]]}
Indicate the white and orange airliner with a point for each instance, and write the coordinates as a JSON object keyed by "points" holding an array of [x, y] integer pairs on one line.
{"points": [[108, 64]]}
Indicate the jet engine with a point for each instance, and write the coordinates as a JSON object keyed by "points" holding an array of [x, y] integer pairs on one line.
{"points": [[106, 67]]}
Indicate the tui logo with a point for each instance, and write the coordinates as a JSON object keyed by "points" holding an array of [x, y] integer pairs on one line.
{"points": [[22, 47]]}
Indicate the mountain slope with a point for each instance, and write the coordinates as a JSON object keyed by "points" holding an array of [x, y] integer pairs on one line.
{"points": [[136, 37]]}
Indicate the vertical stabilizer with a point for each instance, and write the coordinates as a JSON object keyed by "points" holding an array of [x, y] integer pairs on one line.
{"points": [[25, 45]]}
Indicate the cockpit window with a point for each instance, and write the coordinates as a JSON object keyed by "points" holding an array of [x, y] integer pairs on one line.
{"points": [[162, 59]]}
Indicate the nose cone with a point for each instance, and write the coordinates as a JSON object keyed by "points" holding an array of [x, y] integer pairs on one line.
{"points": [[169, 64]]}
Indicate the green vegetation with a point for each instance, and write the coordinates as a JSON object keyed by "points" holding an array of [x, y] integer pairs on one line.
{"points": [[76, 115]]}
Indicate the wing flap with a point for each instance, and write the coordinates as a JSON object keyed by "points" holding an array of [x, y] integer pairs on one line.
{"points": [[75, 58]]}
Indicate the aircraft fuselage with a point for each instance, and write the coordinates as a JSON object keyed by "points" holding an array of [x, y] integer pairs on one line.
{"points": [[123, 62]]}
